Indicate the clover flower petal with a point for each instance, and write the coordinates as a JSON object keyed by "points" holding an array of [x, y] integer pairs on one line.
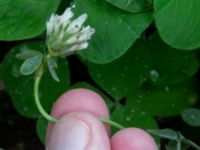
{"points": [[66, 35], [84, 35], [76, 25], [67, 15]]}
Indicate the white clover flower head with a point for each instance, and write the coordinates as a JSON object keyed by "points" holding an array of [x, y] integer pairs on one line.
{"points": [[65, 36]]}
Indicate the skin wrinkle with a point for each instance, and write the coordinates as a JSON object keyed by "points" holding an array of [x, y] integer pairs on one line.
{"points": [[92, 140], [87, 147], [80, 120], [90, 129]]}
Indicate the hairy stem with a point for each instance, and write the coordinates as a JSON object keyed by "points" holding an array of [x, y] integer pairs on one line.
{"points": [[37, 98]]}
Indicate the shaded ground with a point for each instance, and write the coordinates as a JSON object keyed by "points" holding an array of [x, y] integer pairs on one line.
{"points": [[16, 132]]}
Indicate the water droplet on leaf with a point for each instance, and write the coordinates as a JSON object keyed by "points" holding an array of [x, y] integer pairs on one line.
{"points": [[114, 88], [25, 109], [98, 75], [122, 74], [143, 113], [146, 66], [167, 89], [136, 58], [133, 110], [183, 71], [192, 99], [125, 68], [15, 71], [128, 118], [154, 75], [140, 96], [173, 105], [193, 116], [126, 89]]}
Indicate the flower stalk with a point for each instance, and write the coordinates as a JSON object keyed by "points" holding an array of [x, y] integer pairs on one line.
{"points": [[38, 78], [112, 123], [64, 37]]}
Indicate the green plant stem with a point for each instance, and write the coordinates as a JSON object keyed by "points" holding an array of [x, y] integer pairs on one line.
{"points": [[50, 118], [112, 123], [38, 77], [192, 144], [178, 145]]}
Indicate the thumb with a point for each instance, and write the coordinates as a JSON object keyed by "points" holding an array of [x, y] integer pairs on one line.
{"points": [[78, 131]]}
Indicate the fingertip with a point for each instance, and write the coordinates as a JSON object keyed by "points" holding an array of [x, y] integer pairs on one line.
{"points": [[77, 131], [133, 139], [64, 134], [80, 99]]}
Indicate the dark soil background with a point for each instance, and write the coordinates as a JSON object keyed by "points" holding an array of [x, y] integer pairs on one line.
{"points": [[16, 132]]}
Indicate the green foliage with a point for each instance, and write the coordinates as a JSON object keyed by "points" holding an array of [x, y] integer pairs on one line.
{"points": [[27, 53], [41, 128], [165, 133], [178, 141], [172, 145], [31, 64], [133, 6], [1, 71], [169, 65], [191, 116], [20, 88], [178, 22], [109, 21], [129, 117], [163, 101], [124, 74], [141, 60], [24, 19]]}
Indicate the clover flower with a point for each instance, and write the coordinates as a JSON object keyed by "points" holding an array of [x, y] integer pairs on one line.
{"points": [[65, 36]]}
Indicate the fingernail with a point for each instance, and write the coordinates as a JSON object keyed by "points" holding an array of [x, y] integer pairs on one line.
{"points": [[69, 134]]}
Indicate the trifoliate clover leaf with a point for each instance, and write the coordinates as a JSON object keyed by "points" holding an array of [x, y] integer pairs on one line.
{"points": [[26, 53], [191, 116], [31, 64], [165, 133]]}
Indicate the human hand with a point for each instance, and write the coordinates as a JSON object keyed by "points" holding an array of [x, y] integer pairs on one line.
{"points": [[80, 128]]}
